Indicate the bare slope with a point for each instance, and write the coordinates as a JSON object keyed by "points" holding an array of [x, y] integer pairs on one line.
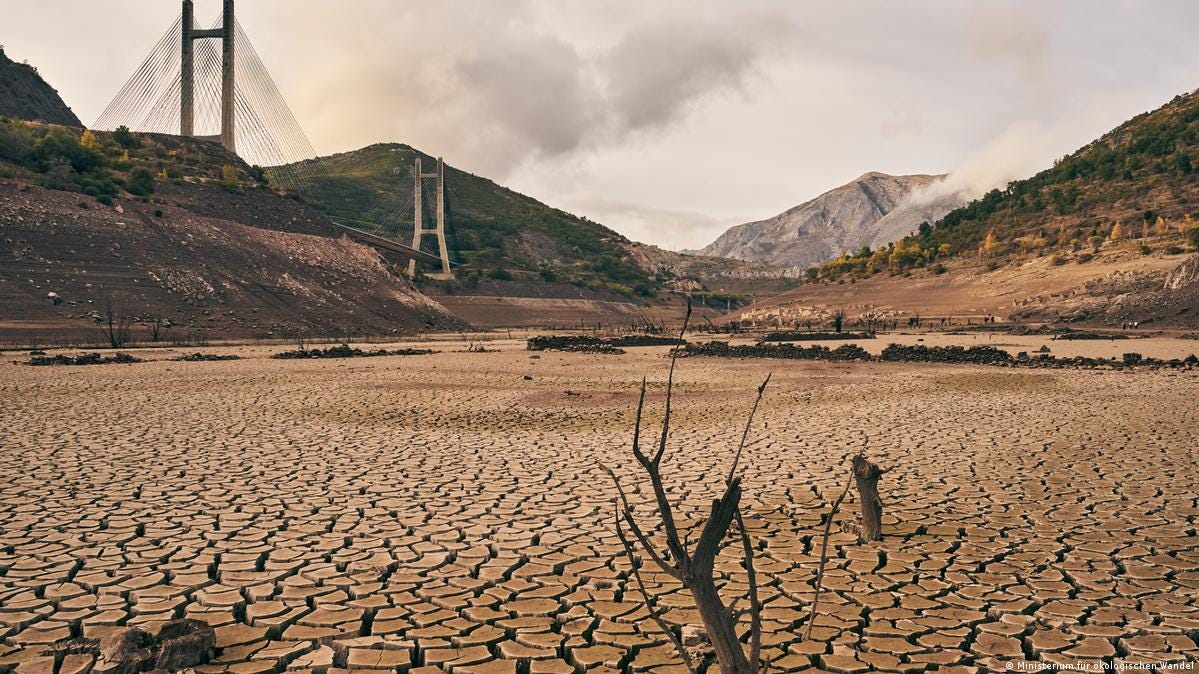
{"points": [[1119, 284], [25, 95], [865, 212], [209, 250]]}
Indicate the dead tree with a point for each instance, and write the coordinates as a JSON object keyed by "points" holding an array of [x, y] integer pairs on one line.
{"points": [[838, 319], [866, 474], [694, 569], [116, 324], [155, 329]]}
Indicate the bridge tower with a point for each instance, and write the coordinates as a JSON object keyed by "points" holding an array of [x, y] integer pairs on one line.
{"points": [[188, 77], [419, 232]]}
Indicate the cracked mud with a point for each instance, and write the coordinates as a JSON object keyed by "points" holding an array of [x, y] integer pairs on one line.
{"points": [[445, 513]]}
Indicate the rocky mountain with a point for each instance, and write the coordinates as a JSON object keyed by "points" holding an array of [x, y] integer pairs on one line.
{"points": [[872, 210], [25, 95]]}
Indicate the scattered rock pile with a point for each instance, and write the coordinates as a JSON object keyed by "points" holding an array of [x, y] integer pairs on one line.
{"points": [[206, 357], [1089, 335], [787, 351], [918, 353], [180, 644], [83, 359], [793, 336], [589, 344], [346, 351]]}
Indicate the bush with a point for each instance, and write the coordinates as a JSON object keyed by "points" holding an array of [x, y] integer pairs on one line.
{"points": [[124, 138], [141, 182], [500, 274], [1192, 235], [16, 144]]}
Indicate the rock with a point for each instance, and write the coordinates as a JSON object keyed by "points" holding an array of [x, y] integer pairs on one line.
{"points": [[694, 635], [54, 298], [1184, 275]]}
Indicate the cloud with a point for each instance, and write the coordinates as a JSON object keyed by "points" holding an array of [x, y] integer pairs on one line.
{"points": [[499, 84], [670, 229], [1008, 35], [677, 57], [1019, 151]]}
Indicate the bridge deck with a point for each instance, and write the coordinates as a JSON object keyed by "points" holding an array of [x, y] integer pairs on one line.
{"points": [[406, 252]]}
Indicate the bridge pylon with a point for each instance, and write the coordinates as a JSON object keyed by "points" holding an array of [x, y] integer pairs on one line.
{"points": [[438, 230], [187, 78]]}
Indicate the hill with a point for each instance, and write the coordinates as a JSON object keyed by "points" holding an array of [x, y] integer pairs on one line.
{"points": [[25, 95], [493, 232], [872, 210], [179, 233], [1137, 181]]}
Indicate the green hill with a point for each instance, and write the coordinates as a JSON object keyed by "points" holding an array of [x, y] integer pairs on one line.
{"points": [[1141, 181], [492, 231], [1143, 170]]}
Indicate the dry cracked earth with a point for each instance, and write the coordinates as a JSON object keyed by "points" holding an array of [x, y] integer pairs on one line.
{"points": [[444, 513]]}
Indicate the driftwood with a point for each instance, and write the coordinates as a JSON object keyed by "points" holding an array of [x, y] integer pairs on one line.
{"points": [[866, 474], [179, 644], [694, 569]]}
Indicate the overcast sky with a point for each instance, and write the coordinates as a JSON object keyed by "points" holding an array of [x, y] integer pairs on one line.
{"points": [[671, 120]]}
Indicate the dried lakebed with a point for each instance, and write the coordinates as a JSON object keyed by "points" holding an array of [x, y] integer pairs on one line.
{"points": [[443, 512]]}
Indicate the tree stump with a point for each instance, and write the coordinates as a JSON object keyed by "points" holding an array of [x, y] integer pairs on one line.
{"points": [[866, 473]]}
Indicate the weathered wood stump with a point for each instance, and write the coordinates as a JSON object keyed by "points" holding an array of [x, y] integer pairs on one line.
{"points": [[866, 474]]}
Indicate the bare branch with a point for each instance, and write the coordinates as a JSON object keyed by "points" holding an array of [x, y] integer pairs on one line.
{"points": [[755, 607], [824, 558], [653, 611], [641, 537], [674, 358], [745, 433], [641, 458]]}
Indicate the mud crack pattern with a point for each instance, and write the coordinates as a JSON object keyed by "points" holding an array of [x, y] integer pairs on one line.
{"points": [[443, 513]]}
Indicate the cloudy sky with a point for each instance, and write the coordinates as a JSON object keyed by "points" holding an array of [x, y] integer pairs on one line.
{"points": [[669, 120]]}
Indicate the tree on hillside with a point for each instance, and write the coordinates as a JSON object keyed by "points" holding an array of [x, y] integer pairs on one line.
{"points": [[124, 137], [990, 245], [1117, 231]]}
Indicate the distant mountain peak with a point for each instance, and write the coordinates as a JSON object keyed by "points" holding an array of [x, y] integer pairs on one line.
{"points": [[873, 210]]}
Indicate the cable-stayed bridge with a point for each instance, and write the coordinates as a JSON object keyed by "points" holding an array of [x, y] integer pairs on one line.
{"points": [[210, 83]]}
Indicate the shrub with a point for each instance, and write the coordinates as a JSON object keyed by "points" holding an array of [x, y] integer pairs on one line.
{"points": [[141, 182], [500, 274], [125, 138], [1193, 236]]}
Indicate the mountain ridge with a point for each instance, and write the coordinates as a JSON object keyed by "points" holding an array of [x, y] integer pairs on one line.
{"points": [[871, 210]]}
